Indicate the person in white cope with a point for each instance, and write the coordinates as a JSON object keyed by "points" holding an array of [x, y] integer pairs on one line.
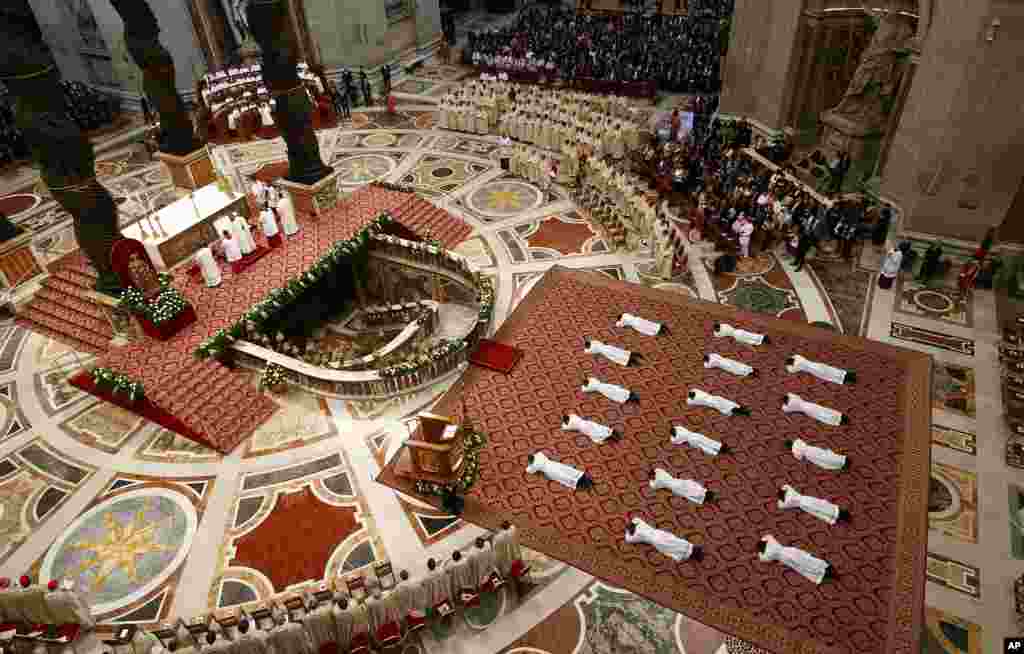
{"points": [[891, 266], [793, 403], [440, 590], [807, 565], [259, 191], [270, 228], [729, 365], [563, 474], [507, 552], [723, 330], [645, 327], [672, 546], [344, 621], [286, 210], [821, 457], [680, 435], [821, 509], [797, 363], [597, 432], [66, 606], [208, 267], [613, 392], [612, 353], [232, 251], [697, 397], [412, 601], [660, 479], [243, 234]]}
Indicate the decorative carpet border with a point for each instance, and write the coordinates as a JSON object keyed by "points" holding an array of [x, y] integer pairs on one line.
{"points": [[912, 334], [904, 614]]}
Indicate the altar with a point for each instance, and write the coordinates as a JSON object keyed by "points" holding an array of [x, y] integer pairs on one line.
{"points": [[174, 233]]}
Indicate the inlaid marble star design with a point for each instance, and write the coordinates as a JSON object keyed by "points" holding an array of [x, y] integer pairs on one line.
{"points": [[504, 200], [120, 548]]}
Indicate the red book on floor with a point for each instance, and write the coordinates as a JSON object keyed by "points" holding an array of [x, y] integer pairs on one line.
{"points": [[496, 356]]}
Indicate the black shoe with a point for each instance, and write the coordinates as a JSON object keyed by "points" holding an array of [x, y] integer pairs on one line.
{"points": [[846, 464], [741, 411], [844, 516], [830, 572], [767, 341], [725, 449], [633, 397], [697, 554], [850, 377], [845, 420], [710, 496], [616, 436]]}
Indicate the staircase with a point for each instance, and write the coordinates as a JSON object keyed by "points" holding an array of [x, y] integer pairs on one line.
{"points": [[422, 217], [66, 309]]}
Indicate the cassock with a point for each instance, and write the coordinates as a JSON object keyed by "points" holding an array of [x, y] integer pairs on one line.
{"points": [[243, 234], [286, 209], [796, 404], [819, 370], [668, 544], [683, 436], [555, 471], [697, 397], [208, 267], [645, 327], [809, 566], [687, 488], [743, 336], [597, 432], [728, 365], [820, 457], [610, 352], [819, 508], [611, 391]]}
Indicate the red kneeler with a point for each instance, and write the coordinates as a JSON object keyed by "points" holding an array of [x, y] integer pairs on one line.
{"points": [[493, 583], [415, 622], [389, 635], [360, 644], [469, 597]]}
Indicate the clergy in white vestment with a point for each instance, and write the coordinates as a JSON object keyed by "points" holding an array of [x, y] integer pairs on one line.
{"points": [[485, 560], [646, 327], [596, 432], [667, 543], [439, 587], [821, 457], [660, 479], [797, 363], [697, 397], [563, 474], [680, 435], [344, 621], [376, 610], [320, 624], [67, 606], [722, 330], [259, 191], [463, 577], [243, 233], [506, 548], [266, 118], [729, 365], [613, 392], [286, 209], [232, 251], [793, 403], [208, 267], [891, 266], [412, 600], [610, 352], [250, 640], [821, 509], [270, 229], [808, 565]]}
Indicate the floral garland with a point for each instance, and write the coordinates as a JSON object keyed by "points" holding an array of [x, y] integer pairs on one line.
{"points": [[485, 297], [166, 306], [118, 383], [474, 442], [272, 376], [258, 314], [413, 364]]}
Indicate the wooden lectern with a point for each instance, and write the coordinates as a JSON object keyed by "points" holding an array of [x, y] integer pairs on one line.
{"points": [[437, 445]]}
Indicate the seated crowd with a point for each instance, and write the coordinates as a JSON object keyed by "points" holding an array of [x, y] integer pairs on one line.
{"points": [[678, 53]]}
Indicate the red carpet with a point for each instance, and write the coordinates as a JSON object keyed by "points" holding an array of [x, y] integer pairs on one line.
{"points": [[17, 203], [496, 356]]}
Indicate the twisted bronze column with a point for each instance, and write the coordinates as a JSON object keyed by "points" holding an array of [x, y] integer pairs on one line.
{"points": [[142, 36], [64, 153], [268, 20]]}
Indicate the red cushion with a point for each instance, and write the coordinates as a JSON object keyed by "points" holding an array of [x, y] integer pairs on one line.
{"points": [[389, 633]]}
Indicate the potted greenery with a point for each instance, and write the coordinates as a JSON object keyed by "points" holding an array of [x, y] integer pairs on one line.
{"points": [[115, 384], [273, 378], [162, 315]]}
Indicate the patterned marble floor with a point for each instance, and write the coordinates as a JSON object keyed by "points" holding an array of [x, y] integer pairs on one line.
{"points": [[132, 510]]}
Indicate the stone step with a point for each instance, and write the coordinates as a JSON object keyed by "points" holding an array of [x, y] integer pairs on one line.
{"points": [[60, 292]]}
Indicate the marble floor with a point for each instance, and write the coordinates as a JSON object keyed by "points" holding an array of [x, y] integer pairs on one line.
{"points": [[78, 479]]}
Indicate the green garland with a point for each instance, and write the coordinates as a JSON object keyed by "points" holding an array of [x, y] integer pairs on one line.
{"points": [[412, 364], [485, 297], [255, 319], [468, 476], [165, 307], [118, 383], [273, 375]]}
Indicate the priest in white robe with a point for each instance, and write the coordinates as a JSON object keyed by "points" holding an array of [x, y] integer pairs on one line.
{"points": [[672, 546], [344, 621], [729, 365], [270, 229], [506, 548], [464, 578], [243, 234], [412, 601], [208, 267], [697, 397], [821, 509], [250, 639], [286, 210], [660, 479], [610, 352], [232, 251], [645, 327], [793, 403], [808, 565], [613, 392], [319, 623], [259, 191], [595, 431], [680, 435], [559, 472], [439, 588], [67, 606], [821, 457], [723, 330], [797, 363]]}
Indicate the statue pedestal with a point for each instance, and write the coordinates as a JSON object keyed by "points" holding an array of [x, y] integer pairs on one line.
{"points": [[19, 261], [191, 171], [313, 199], [862, 143]]}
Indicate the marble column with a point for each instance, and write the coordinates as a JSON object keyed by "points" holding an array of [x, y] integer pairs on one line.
{"points": [[61, 34], [428, 22]]}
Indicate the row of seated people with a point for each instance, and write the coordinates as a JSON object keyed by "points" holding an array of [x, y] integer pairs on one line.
{"points": [[360, 616], [224, 85], [254, 112], [35, 617], [621, 201]]}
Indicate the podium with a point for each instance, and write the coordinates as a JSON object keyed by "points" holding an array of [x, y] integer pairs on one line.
{"points": [[435, 451]]}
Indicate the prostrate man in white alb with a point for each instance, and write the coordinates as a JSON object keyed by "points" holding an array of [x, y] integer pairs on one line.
{"points": [[559, 472], [821, 509], [660, 479], [612, 353], [697, 397], [680, 435], [672, 546], [808, 565], [597, 432], [821, 457], [737, 368], [646, 327], [723, 330], [613, 392], [797, 363], [793, 403]]}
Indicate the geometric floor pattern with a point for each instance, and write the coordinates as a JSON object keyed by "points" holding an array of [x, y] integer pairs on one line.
{"points": [[75, 474]]}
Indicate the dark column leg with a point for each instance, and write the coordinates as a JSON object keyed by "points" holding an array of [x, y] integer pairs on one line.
{"points": [[142, 36], [268, 20]]}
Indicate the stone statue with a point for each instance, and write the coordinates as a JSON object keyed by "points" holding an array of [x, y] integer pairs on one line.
{"points": [[876, 76]]}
